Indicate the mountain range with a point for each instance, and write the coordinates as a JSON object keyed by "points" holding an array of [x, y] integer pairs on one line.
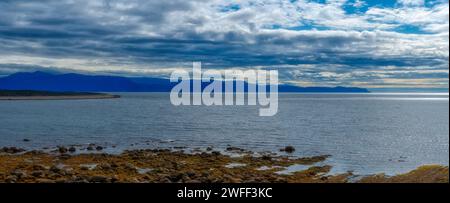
{"points": [[73, 82]]}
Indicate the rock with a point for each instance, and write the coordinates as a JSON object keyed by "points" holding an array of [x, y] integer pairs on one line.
{"points": [[280, 180], [176, 177], [72, 149], [11, 179], [104, 166], [26, 140], [58, 169], [190, 173], [99, 148], [99, 179], [266, 157], [18, 173], [114, 165], [11, 150], [164, 180], [130, 167], [43, 180], [193, 181], [234, 149], [288, 149], [62, 149], [36, 152], [90, 148], [78, 179], [37, 174], [114, 179], [64, 156], [215, 153], [61, 181], [209, 149], [39, 167]]}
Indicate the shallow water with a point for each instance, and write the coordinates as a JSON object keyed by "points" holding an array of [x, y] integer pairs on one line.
{"points": [[364, 133]]}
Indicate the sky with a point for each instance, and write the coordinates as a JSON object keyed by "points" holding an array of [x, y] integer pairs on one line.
{"points": [[362, 43]]}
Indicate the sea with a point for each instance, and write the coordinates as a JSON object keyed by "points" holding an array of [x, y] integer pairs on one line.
{"points": [[368, 133]]}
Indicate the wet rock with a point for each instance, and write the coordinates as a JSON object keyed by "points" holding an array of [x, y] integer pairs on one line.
{"points": [[39, 167], [323, 178], [37, 174], [193, 181], [288, 149], [99, 148], [99, 179], [26, 140], [11, 150], [165, 180], [62, 149], [11, 179], [64, 156], [114, 165], [216, 153], [72, 149], [104, 166], [35, 152], [266, 157], [44, 180], [19, 174], [62, 181], [190, 173], [58, 169], [209, 149], [280, 180], [130, 167], [90, 148], [79, 179], [234, 149], [176, 177]]}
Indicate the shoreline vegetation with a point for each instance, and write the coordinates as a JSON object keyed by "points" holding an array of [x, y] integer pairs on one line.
{"points": [[64, 165], [49, 95]]}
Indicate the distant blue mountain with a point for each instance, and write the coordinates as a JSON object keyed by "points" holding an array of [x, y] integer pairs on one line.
{"points": [[93, 83]]}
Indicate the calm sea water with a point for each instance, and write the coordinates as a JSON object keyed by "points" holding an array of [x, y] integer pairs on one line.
{"points": [[364, 133]]}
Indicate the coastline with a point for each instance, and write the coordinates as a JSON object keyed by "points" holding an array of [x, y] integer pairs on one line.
{"points": [[74, 97], [168, 166]]}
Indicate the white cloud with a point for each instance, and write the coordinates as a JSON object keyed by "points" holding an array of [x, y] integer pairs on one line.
{"points": [[412, 2]]}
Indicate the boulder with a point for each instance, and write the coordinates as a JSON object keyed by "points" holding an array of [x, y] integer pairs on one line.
{"points": [[288, 149]]}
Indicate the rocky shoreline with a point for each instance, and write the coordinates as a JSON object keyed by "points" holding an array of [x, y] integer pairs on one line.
{"points": [[168, 166]]}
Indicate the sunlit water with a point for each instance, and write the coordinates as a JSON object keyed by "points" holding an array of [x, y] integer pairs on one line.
{"points": [[364, 133]]}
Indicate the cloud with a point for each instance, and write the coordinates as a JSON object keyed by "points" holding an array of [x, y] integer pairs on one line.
{"points": [[412, 2], [310, 42]]}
